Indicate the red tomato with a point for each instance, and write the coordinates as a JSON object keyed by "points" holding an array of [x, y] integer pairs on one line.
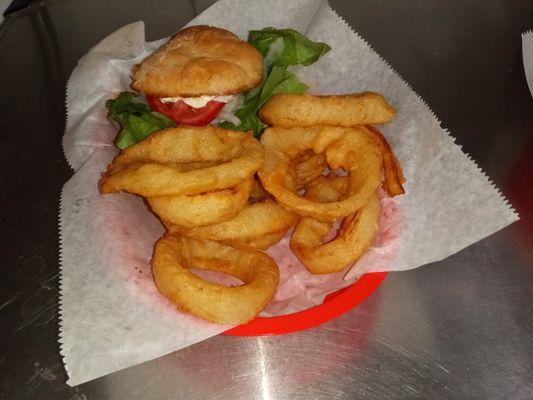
{"points": [[182, 113]]}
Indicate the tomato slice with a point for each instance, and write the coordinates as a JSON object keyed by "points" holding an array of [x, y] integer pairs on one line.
{"points": [[182, 113]]}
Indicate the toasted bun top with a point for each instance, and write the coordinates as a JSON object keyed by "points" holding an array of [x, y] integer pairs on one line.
{"points": [[200, 60]]}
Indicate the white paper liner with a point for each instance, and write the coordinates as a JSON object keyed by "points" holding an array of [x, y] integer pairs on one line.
{"points": [[110, 318]]}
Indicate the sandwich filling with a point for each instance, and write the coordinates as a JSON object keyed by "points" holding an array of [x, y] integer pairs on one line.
{"points": [[197, 111]]}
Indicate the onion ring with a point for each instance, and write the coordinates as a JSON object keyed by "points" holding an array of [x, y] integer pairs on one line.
{"points": [[291, 110], [352, 149], [355, 235], [308, 167], [256, 227], [327, 189], [174, 255], [152, 166], [202, 209], [392, 169], [259, 242]]}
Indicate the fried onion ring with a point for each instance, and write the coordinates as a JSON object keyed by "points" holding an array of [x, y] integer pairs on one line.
{"points": [[258, 242], [308, 167], [256, 227], [152, 167], [174, 255], [392, 169], [328, 188], [355, 235], [351, 149], [356, 232], [291, 110], [202, 209]]}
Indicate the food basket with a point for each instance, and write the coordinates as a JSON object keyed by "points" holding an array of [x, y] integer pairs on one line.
{"points": [[334, 305]]}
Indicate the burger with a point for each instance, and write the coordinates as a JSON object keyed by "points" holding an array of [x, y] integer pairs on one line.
{"points": [[198, 75]]}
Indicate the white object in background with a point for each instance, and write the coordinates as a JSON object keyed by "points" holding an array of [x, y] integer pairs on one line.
{"points": [[3, 6], [527, 54]]}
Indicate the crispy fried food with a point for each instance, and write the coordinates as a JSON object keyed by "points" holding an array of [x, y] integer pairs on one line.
{"points": [[258, 242], [153, 166], [353, 238], [327, 189], [174, 255], [202, 209], [352, 149], [258, 192], [291, 110], [308, 167], [355, 235], [391, 166], [311, 166], [200, 60], [256, 227]]}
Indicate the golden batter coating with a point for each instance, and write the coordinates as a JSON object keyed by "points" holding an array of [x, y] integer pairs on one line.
{"points": [[291, 110], [200, 60]]}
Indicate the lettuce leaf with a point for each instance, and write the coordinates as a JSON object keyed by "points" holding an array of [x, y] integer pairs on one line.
{"points": [[296, 48], [136, 119], [280, 49]]}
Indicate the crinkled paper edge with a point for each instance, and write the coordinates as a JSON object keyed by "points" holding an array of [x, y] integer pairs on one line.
{"points": [[60, 301], [67, 124], [61, 224]]}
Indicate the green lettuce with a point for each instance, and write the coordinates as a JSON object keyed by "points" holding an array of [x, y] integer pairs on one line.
{"points": [[136, 119], [296, 49], [280, 49]]}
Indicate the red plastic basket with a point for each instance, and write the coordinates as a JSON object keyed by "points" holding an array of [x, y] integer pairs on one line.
{"points": [[334, 305]]}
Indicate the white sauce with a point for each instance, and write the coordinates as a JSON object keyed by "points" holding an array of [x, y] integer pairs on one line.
{"points": [[197, 102]]}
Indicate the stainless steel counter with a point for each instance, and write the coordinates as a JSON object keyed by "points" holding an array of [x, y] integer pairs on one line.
{"points": [[459, 329]]}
